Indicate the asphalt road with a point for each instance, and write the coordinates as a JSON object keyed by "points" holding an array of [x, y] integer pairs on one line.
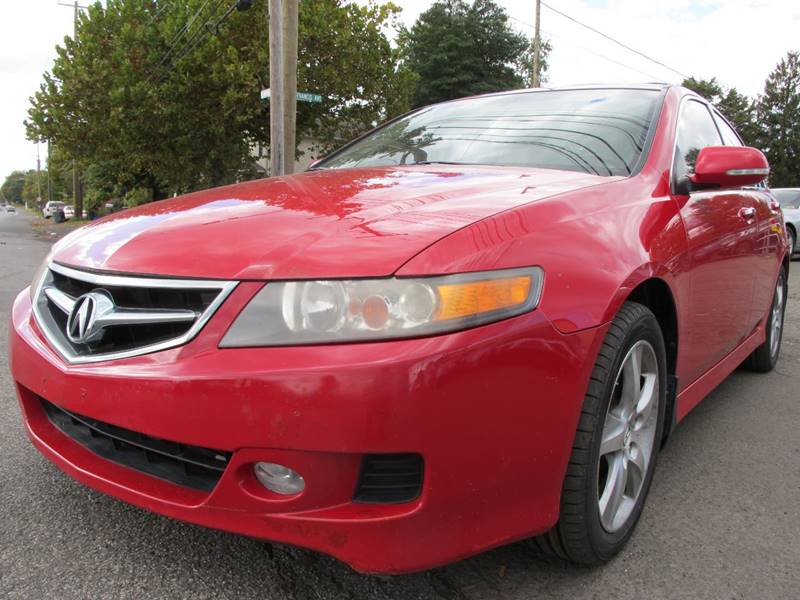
{"points": [[722, 521]]}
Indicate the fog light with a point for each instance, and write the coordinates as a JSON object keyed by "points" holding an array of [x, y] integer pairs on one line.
{"points": [[279, 479]]}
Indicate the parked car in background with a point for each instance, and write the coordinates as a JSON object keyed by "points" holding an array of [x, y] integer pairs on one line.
{"points": [[10, 208], [475, 324], [51, 207], [69, 211], [789, 199]]}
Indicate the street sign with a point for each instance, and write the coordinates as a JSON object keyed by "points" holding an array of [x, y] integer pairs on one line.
{"points": [[301, 96], [308, 97]]}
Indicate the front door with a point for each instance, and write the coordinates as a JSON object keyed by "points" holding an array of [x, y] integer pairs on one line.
{"points": [[721, 227]]}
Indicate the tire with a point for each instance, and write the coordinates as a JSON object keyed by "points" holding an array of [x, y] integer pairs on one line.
{"points": [[582, 536], [765, 357], [792, 238]]}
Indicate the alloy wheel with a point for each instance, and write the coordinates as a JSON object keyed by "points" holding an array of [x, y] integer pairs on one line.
{"points": [[628, 439], [776, 322]]}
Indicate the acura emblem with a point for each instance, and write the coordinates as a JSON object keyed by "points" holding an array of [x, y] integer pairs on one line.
{"points": [[85, 322]]}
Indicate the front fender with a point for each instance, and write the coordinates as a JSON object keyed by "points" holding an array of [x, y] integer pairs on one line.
{"points": [[595, 247]]}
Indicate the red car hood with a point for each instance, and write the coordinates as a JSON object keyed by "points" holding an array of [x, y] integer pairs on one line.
{"points": [[336, 223]]}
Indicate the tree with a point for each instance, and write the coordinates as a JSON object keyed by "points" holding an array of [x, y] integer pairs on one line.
{"points": [[525, 63], [30, 188], [11, 191], [458, 50], [778, 112], [161, 96], [735, 106]]}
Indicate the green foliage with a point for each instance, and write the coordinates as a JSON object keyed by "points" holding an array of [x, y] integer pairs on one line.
{"points": [[525, 64], [137, 196], [736, 107], [11, 190], [32, 183], [23, 186], [778, 112], [135, 114], [458, 49], [59, 168], [345, 56]]}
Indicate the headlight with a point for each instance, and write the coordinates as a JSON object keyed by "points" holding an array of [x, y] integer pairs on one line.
{"points": [[316, 312]]}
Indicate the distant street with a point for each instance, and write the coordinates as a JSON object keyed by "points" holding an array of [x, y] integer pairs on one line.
{"points": [[722, 521]]}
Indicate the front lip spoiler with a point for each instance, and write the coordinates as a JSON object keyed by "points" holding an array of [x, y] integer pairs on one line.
{"points": [[225, 288]]}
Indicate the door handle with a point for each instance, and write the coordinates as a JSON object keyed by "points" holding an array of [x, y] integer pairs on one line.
{"points": [[747, 213]]}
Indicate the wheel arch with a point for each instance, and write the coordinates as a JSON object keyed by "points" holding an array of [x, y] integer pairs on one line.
{"points": [[655, 294], [652, 288]]}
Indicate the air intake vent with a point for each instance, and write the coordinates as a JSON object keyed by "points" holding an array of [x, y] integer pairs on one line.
{"points": [[389, 478], [189, 466]]}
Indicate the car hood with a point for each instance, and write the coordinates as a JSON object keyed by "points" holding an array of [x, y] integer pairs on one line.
{"points": [[327, 223]]}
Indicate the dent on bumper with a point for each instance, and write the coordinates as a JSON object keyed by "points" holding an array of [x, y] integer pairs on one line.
{"points": [[492, 410]]}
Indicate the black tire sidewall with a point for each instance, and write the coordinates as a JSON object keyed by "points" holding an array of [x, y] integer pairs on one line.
{"points": [[604, 543]]}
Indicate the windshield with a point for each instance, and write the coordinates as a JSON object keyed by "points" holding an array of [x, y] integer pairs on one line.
{"points": [[787, 198], [599, 131]]}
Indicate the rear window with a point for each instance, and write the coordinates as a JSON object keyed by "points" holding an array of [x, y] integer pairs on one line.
{"points": [[601, 131]]}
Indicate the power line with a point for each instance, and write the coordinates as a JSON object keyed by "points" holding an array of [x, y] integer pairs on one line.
{"points": [[608, 37], [176, 39], [158, 72], [604, 57], [158, 12], [202, 32], [590, 51]]}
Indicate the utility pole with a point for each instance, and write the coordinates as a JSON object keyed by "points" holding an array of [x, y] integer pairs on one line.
{"points": [[49, 181], [38, 176], [277, 107], [537, 48], [290, 83], [282, 85], [77, 189]]}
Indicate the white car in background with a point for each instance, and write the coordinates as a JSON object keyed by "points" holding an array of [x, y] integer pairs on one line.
{"points": [[69, 211], [51, 207], [790, 204]]}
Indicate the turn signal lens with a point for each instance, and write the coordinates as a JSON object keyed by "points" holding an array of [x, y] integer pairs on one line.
{"points": [[467, 299], [319, 312]]}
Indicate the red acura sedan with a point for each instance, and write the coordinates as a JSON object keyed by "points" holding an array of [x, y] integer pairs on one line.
{"points": [[475, 324]]}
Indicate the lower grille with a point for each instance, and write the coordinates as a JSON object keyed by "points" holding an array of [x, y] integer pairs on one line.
{"points": [[188, 466], [389, 478]]}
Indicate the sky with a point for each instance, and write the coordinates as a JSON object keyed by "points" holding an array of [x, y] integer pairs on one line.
{"points": [[737, 41]]}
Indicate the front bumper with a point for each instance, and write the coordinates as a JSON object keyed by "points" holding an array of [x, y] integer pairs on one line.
{"points": [[492, 411]]}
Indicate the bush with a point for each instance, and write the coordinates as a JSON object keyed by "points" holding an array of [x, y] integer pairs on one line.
{"points": [[137, 196]]}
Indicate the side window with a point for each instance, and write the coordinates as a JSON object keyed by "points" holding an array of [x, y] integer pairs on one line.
{"points": [[696, 130], [729, 136]]}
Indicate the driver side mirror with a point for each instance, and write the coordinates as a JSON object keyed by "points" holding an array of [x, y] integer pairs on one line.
{"points": [[729, 166]]}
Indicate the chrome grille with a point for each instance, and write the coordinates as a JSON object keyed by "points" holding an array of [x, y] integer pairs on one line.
{"points": [[89, 317]]}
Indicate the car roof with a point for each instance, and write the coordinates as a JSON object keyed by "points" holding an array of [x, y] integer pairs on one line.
{"points": [[649, 86]]}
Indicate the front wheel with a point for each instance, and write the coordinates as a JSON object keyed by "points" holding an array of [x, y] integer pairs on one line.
{"points": [[765, 357], [791, 238], [616, 443]]}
